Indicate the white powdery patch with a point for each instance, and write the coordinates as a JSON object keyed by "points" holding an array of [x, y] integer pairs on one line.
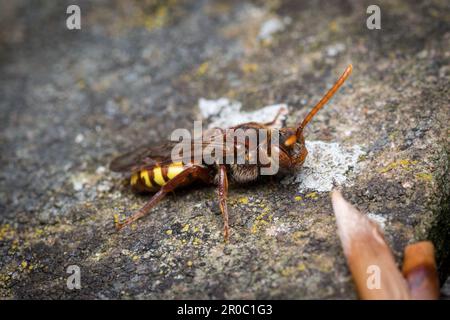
{"points": [[378, 218], [224, 113], [335, 49], [276, 229], [270, 27], [326, 164]]}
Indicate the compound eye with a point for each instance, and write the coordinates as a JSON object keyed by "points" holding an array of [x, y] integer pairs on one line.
{"points": [[290, 141]]}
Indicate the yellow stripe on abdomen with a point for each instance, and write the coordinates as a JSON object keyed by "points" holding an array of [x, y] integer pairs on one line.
{"points": [[134, 179], [146, 178], [174, 169], [158, 177]]}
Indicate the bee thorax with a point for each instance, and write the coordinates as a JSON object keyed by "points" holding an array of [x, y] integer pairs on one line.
{"points": [[242, 173]]}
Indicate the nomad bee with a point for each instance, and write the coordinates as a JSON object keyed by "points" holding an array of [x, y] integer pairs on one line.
{"points": [[154, 169]]}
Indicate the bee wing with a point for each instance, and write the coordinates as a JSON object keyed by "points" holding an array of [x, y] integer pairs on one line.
{"points": [[145, 156], [150, 156]]}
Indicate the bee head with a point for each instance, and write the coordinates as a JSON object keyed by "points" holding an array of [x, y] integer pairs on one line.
{"points": [[292, 141], [292, 148]]}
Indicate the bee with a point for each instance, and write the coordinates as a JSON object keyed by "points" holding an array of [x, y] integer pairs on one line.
{"points": [[154, 169]]}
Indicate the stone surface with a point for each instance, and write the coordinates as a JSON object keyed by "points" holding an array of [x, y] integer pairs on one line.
{"points": [[71, 100]]}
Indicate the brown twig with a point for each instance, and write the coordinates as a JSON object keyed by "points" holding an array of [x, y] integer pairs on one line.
{"points": [[369, 258], [419, 269]]}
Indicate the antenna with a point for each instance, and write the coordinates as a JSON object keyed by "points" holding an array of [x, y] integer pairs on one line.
{"points": [[325, 99]]}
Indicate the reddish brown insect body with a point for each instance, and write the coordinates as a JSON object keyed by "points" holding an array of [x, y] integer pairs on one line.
{"points": [[153, 169]]}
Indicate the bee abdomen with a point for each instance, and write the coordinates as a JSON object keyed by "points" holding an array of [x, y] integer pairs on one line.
{"points": [[153, 179]]}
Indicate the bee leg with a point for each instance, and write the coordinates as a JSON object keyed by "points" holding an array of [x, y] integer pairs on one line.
{"points": [[277, 116], [188, 174], [223, 192]]}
